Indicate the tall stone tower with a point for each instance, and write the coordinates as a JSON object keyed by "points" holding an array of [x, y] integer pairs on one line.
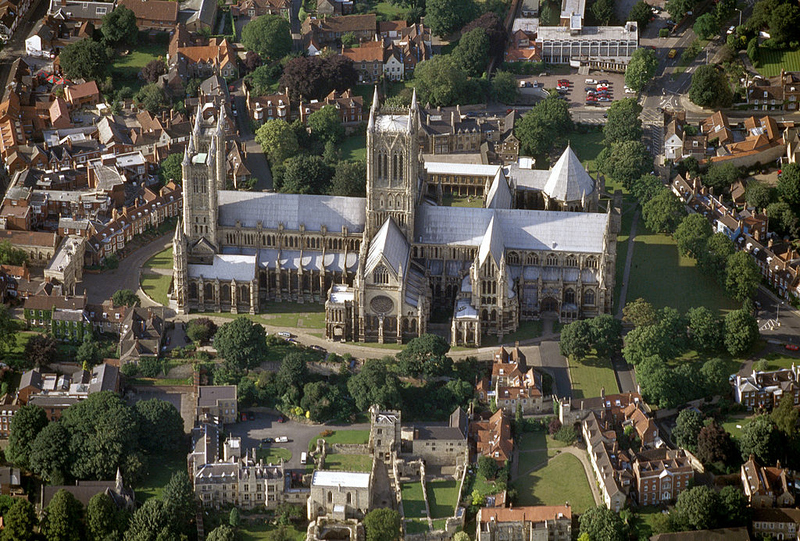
{"points": [[180, 269], [203, 170], [392, 166]]}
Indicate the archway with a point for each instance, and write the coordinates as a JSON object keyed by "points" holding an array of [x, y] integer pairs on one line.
{"points": [[549, 304]]}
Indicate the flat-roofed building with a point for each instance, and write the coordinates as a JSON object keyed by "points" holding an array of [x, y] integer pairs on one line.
{"points": [[217, 401], [598, 47]]}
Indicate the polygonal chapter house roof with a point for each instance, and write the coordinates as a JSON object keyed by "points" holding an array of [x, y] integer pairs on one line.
{"points": [[568, 180]]}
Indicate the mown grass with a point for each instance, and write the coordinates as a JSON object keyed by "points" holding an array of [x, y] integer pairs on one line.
{"points": [[590, 375], [442, 497], [772, 61], [413, 500], [159, 472], [156, 286], [341, 436], [258, 532], [354, 148], [562, 480], [341, 462], [125, 69], [162, 260]]}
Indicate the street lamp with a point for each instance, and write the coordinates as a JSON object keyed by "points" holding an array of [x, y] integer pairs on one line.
{"points": [[740, 15], [778, 316]]}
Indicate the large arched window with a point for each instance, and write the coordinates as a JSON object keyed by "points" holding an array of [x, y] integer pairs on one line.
{"points": [[380, 275], [572, 261], [569, 296], [552, 260], [589, 298]]}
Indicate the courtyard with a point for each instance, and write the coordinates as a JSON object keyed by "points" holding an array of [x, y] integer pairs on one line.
{"points": [[561, 480]]}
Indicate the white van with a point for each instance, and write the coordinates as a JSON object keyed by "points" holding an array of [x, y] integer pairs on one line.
{"points": [[303, 458]]}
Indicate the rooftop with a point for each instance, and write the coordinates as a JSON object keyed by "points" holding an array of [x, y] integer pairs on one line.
{"points": [[346, 479]]}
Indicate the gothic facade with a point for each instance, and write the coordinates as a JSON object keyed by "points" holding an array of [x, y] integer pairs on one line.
{"points": [[386, 264]]}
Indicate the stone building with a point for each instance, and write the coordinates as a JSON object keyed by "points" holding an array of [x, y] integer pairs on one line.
{"points": [[339, 494], [382, 263], [535, 523]]}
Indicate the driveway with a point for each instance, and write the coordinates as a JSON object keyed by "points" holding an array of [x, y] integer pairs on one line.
{"points": [[254, 159], [266, 425], [548, 357]]}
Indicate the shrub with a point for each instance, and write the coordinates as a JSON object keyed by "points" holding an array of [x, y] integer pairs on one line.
{"points": [[150, 368], [130, 370]]}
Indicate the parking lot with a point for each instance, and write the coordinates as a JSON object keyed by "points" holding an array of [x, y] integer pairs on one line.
{"points": [[576, 95]]}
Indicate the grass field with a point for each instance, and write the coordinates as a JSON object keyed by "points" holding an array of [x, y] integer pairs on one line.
{"points": [[125, 69], [156, 286], [733, 423], [776, 361], [529, 460], [341, 436], [158, 475], [628, 212], [17, 352], [340, 462], [417, 526], [562, 480], [681, 284], [273, 455], [162, 260], [291, 314], [442, 496], [587, 146], [538, 440], [257, 532], [413, 500], [591, 374], [526, 331], [452, 200], [390, 11], [354, 148], [773, 61]]}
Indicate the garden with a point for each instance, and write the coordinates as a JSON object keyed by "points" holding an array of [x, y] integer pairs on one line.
{"points": [[562, 480]]}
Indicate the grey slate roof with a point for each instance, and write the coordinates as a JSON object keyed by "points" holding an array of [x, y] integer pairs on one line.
{"points": [[568, 179], [209, 395], [499, 196], [389, 245], [292, 210]]}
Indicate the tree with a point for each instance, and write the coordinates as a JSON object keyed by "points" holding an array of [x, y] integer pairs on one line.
{"points": [[692, 235], [544, 126], [758, 194], [119, 27], [602, 524], [715, 373], [576, 339], [784, 23], [201, 329], [307, 175], [742, 276], [649, 341], [493, 26], [8, 328], [84, 59], [270, 36], [292, 373], [705, 329], [641, 13], [782, 219], [687, 427], [606, 334], [315, 77], [664, 212], [733, 507], [472, 52], [235, 518], [151, 522], [48, 458], [720, 177], [440, 81], [223, 532], [41, 350], [161, 425], [374, 384], [10, 255], [714, 444], [152, 98], [603, 11], [789, 184], [639, 313], [252, 61], [487, 467], [697, 508], [706, 26], [785, 417], [180, 501], [741, 331], [504, 87], [170, 169], [277, 140], [421, 350], [761, 439], [101, 518], [326, 124], [349, 179], [104, 436], [153, 70], [710, 87], [446, 16], [241, 343], [658, 383], [26, 424], [125, 297], [64, 518], [89, 351], [715, 259], [623, 122], [642, 66], [19, 521], [382, 525], [678, 8], [626, 161]]}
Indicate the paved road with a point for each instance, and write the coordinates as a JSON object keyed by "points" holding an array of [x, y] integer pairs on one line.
{"points": [[548, 357], [773, 311], [255, 160], [15, 48]]}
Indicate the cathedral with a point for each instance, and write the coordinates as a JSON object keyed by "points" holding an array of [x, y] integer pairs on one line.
{"points": [[389, 265]]}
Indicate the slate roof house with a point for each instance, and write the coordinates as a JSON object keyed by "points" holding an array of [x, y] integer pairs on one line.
{"points": [[142, 334], [767, 486], [153, 14]]}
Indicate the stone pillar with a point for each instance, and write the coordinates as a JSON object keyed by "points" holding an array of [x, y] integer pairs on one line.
{"points": [[234, 298], [217, 299], [477, 326], [254, 295], [380, 329], [201, 286], [399, 331]]}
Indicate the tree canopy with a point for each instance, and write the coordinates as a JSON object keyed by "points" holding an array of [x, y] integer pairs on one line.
{"points": [[626, 161], [741, 331], [241, 343], [789, 184], [170, 169], [11, 255], [277, 140], [349, 179], [446, 16], [643, 63], [692, 235], [472, 52], [374, 384], [161, 425], [326, 124], [623, 123], [64, 518], [382, 525], [314, 77], [664, 212], [544, 126], [706, 26], [720, 177], [307, 175], [270, 36], [602, 524], [710, 87], [84, 59], [26, 424], [504, 87], [119, 27], [687, 428], [440, 81], [742, 276], [125, 297]]}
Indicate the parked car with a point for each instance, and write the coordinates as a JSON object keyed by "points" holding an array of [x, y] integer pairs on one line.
{"points": [[267, 440], [590, 89], [603, 82], [792, 347], [604, 98], [731, 30], [590, 82], [281, 439], [538, 85], [284, 334], [281, 419], [318, 348], [672, 53], [251, 416]]}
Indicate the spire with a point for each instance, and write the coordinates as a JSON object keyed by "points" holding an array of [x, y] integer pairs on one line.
{"points": [[119, 485], [179, 237], [414, 99], [186, 157], [373, 112], [197, 120], [221, 121]]}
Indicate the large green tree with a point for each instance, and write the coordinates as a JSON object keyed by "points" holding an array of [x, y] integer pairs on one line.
{"points": [[180, 501], [706, 26], [714, 261], [241, 343], [440, 81], [741, 331], [602, 524], [785, 417], [504, 87], [223, 532], [697, 509], [40, 351], [170, 169], [734, 507], [119, 27], [664, 212], [789, 184], [84, 59], [446, 16], [270, 36], [720, 177], [277, 140], [26, 424], [48, 458], [293, 372], [705, 329], [349, 179], [375, 384], [420, 351], [647, 187], [623, 123], [659, 384], [472, 52], [714, 444], [642, 66], [382, 525], [626, 161], [125, 297], [543, 126], [641, 12], [576, 339], [710, 87], [19, 522], [102, 519], [687, 427], [760, 438], [639, 313], [64, 518], [758, 194], [782, 219], [152, 522], [742, 276], [784, 24], [11, 255], [692, 235], [307, 175], [603, 11], [326, 124], [161, 425], [606, 334]]}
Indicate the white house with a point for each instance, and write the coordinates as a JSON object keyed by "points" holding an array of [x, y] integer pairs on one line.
{"points": [[393, 67]]}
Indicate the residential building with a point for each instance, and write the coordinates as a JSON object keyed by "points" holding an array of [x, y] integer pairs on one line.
{"points": [[533, 523], [610, 464], [661, 475], [678, 143], [367, 60], [216, 58], [63, 317], [523, 47], [720, 534], [717, 129], [10, 481], [217, 402], [66, 267], [141, 334], [339, 494], [197, 15], [512, 384], [82, 11], [257, 8], [765, 390], [328, 31], [11, 13], [767, 486], [273, 106], [331, 8], [153, 14], [598, 47], [781, 92], [762, 142], [105, 317], [783, 523], [122, 496], [54, 392], [493, 438], [348, 105]]}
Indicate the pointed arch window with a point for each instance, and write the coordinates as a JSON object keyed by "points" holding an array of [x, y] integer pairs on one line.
{"points": [[589, 297], [569, 296], [380, 275]]}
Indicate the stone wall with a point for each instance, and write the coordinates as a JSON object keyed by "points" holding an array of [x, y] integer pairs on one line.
{"points": [[349, 448]]}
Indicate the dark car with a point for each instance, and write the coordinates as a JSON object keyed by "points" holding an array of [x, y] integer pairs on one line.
{"points": [[251, 416], [266, 440], [603, 82]]}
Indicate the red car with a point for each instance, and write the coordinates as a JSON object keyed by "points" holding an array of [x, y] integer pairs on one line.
{"points": [[792, 347], [564, 82]]}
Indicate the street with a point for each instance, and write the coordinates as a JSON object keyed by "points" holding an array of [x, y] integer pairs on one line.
{"points": [[254, 157], [15, 48]]}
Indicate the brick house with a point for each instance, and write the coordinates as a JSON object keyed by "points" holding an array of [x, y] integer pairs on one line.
{"points": [[216, 58], [767, 389], [329, 30], [153, 14], [274, 106], [217, 401], [348, 105], [257, 8], [492, 438], [540, 522], [661, 475], [367, 60], [767, 486], [141, 334], [776, 523], [83, 94], [62, 316]]}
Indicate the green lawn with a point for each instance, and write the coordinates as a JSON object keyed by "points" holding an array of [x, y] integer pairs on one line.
{"points": [[340, 462], [160, 381], [733, 423], [156, 286], [159, 472], [125, 69], [452, 200], [257, 532], [628, 211], [442, 497], [354, 148], [390, 11], [591, 374], [416, 526], [587, 146], [538, 440], [645, 521], [439, 524], [273, 455], [17, 352], [529, 460], [162, 260], [342, 436], [772, 61], [776, 361], [526, 331], [291, 314], [562, 480], [413, 500], [680, 284], [482, 486]]}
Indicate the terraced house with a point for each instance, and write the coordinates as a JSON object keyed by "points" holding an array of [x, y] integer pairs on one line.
{"points": [[63, 317]]}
